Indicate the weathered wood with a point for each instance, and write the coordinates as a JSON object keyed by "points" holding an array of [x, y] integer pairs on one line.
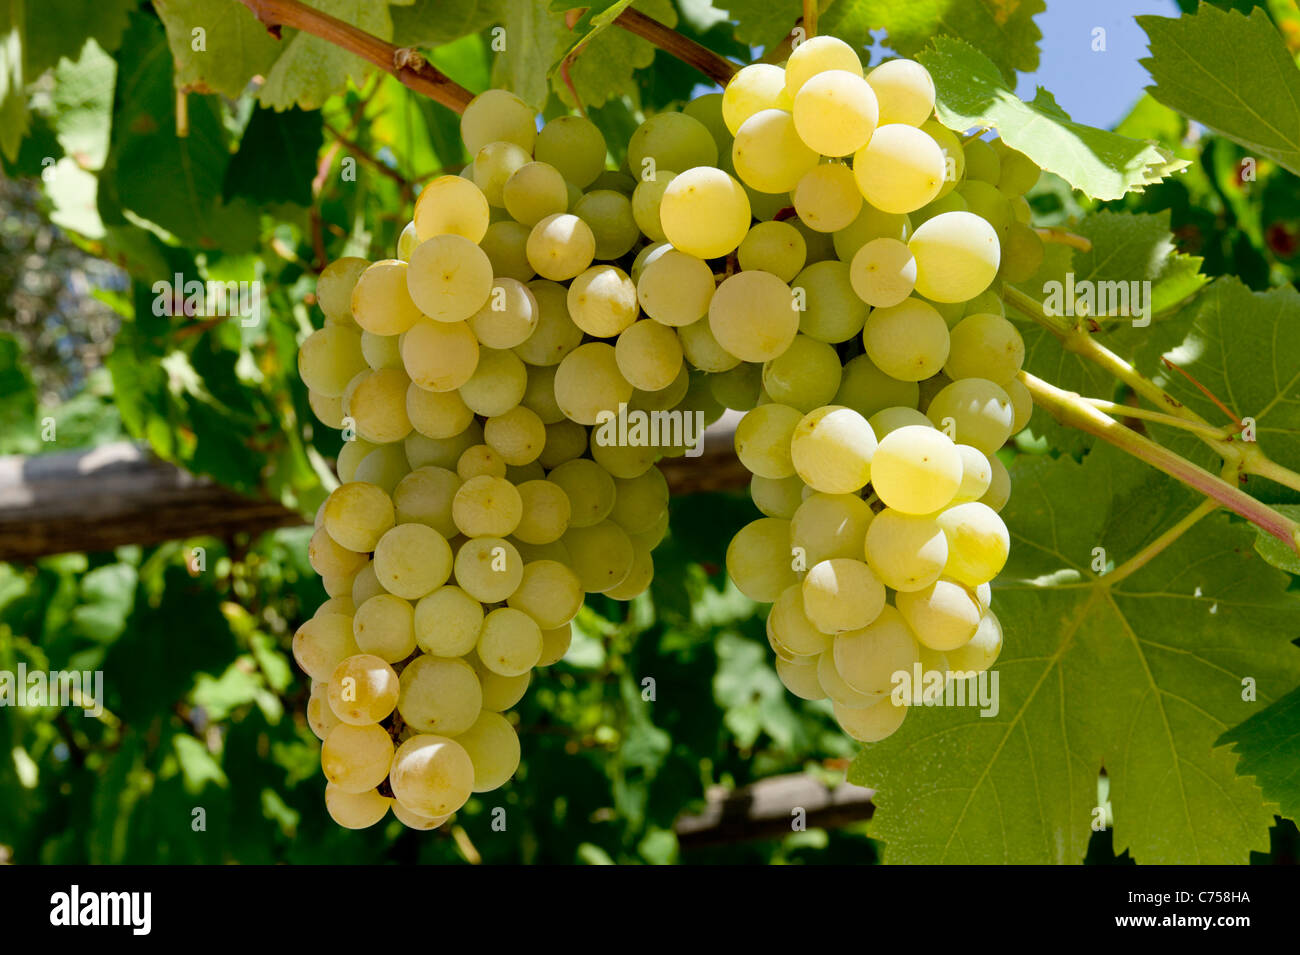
{"points": [[765, 810], [121, 494]]}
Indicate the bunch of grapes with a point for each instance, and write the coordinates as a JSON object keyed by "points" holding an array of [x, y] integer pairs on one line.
{"points": [[738, 260]]}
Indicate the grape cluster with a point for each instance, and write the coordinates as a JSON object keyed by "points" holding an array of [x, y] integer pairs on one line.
{"points": [[739, 259]]}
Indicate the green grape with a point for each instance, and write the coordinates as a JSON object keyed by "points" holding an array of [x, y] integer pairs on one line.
{"points": [[534, 191], [817, 55], [952, 202], [990, 205], [590, 488], [978, 543], [908, 341], [350, 457], [555, 644], [499, 692], [488, 568], [832, 449], [493, 748], [646, 200], [322, 643], [871, 658], [775, 247], [957, 255], [518, 436], [670, 141], [982, 163], [381, 351], [449, 278], [976, 474], [546, 512], [702, 349], [609, 214], [589, 382], [560, 246], [763, 438], [357, 515], [830, 525], [907, 551], [573, 145], [649, 540], [800, 679], [866, 389], [675, 288], [755, 87], [517, 474], [1018, 173], [432, 775], [506, 246], [954, 158], [648, 354], [900, 170], [425, 496], [328, 411], [840, 693], [565, 440], [439, 695], [555, 335], [451, 205], [415, 820], [831, 311], [614, 180], [493, 166], [931, 387], [665, 398], [883, 273], [624, 460], [988, 302], [758, 559], [768, 154], [539, 395], [708, 110], [805, 376], [638, 579], [643, 258], [1021, 211], [366, 585], [792, 628], [479, 460], [870, 223], [738, 388], [331, 357], [944, 615], [447, 622], [842, 594], [601, 555], [356, 758], [320, 718], [362, 690], [916, 470], [827, 197], [974, 411], [1022, 403], [836, 112], [753, 316], [980, 652], [509, 642], [904, 90], [985, 346], [411, 560], [508, 316], [334, 289], [549, 593], [1022, 253], [777, 497], [639, 501], [602, 301], [377, 406], [384, 626], [487, 506], [704, 212], [493, 116], [498, 382], [870, 724]]}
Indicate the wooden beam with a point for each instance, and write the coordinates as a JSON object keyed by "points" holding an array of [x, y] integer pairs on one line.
{"points": [[121, 494], [766, 810]]}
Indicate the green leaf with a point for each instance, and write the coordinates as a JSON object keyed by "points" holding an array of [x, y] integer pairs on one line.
{"points": [[82, 105], [1004, 31], [1242, 346], [234, 46], [1273, 550], [604, 69], [63, 26], [1269, 746], [763, 23], [535, 40], [971, 92], [13, 81], [1138, 672], [1231, 73], [311, 70], [430, 23], [18, 425], [276, 160]]}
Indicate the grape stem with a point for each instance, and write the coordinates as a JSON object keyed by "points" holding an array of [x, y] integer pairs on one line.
{"points": [[809, 19], [713, 65], [1071, 409], [1061, 236], [409, 67], [1152, 550], [1172, 421]]}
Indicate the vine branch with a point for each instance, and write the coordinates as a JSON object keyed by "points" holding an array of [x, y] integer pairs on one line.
{"points": [[410, 68], [713, 65]]}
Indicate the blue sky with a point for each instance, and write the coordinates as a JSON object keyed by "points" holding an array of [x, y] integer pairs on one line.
{"points": [[1093, 87]]}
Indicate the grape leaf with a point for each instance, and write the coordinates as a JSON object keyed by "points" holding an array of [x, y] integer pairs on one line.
{"points": [[81, 105], [763, 23], [603, 70], [13, 92], [971, 92], [1233, 74], [234, 45], [1269, 746], [535, 38], [1243, 347], [63, 27], [1138, 671], [431, 23], [1275, 551], [277, 157], [1004, 30], [311, 70]]}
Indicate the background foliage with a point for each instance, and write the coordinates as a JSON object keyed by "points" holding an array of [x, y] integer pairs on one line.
{"points": [[294, 154]]}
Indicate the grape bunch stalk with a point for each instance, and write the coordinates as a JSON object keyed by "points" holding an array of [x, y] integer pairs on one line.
{"points": [[809, 247]]}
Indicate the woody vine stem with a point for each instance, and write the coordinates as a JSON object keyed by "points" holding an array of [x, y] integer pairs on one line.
{"points": [[1088, 414]]}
